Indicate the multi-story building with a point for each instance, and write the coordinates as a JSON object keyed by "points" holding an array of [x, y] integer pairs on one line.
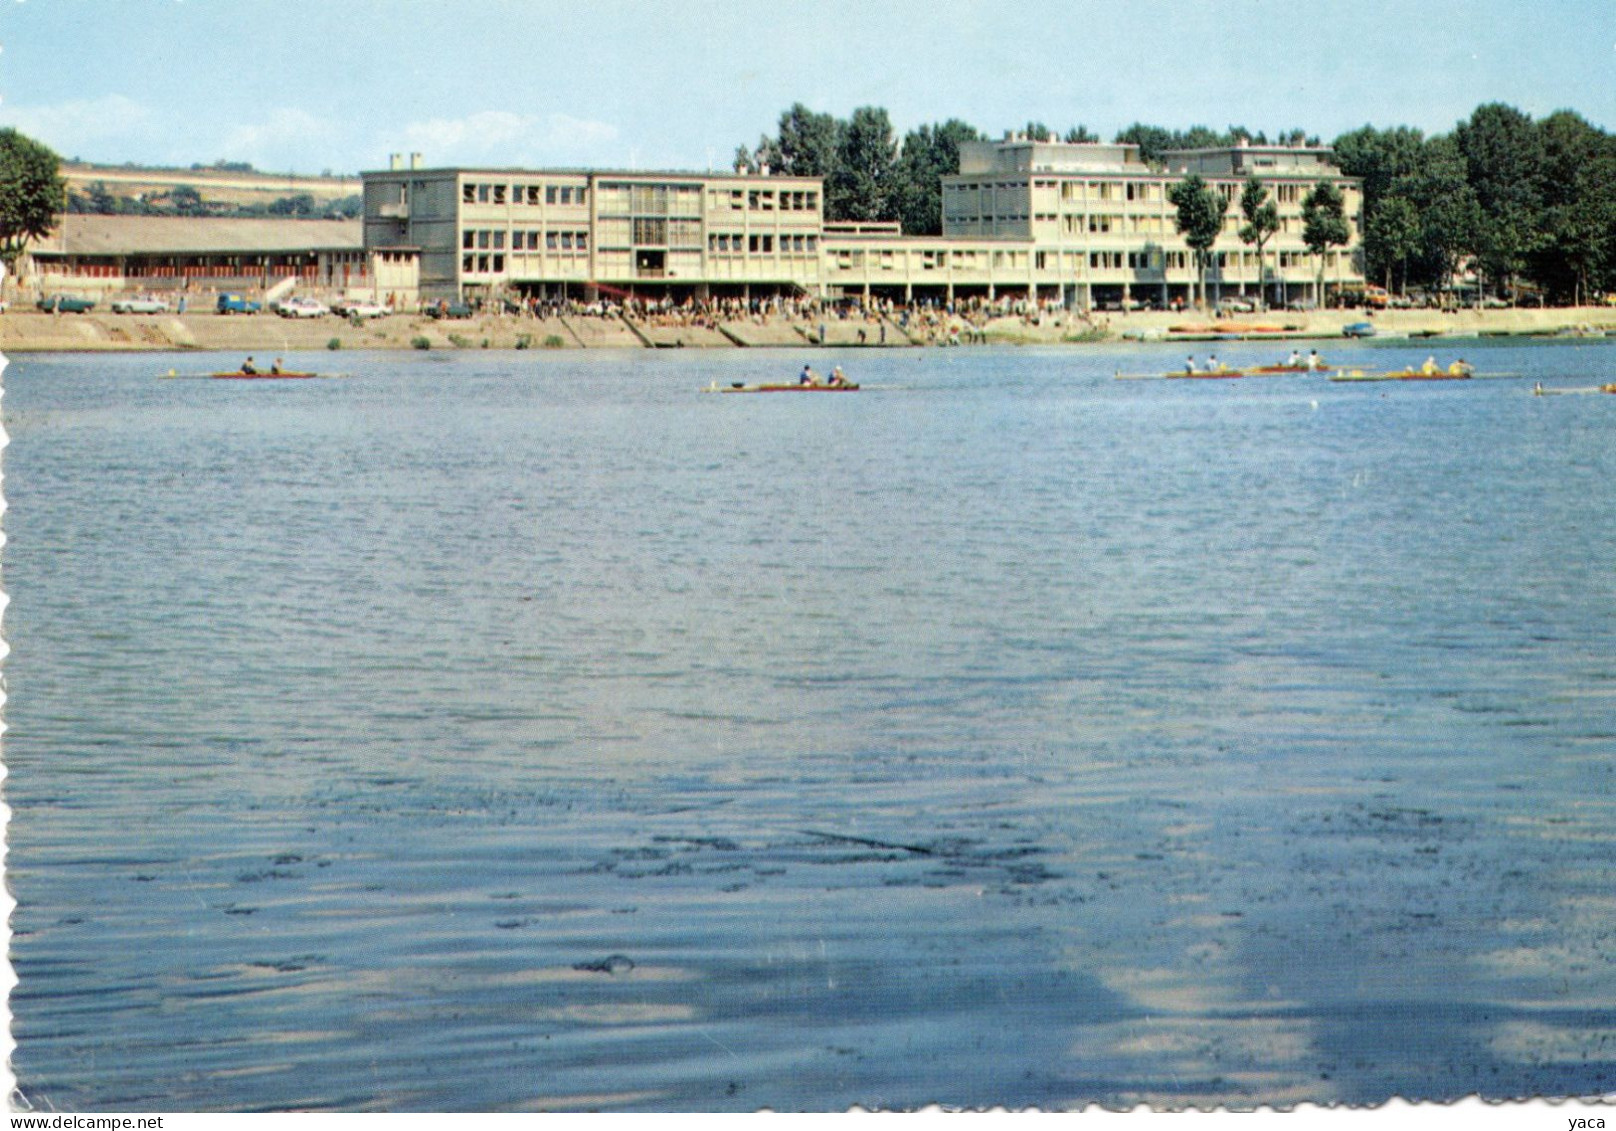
{"points": [[481, 232], [1097, 222], [1080, 224]]}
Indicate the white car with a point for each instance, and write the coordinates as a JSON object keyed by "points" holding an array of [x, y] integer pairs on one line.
{"points": [[360, 309], [139, 306], [302, 308]]}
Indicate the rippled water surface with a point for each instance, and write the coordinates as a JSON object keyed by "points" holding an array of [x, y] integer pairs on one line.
{"points": [[527, 730]]}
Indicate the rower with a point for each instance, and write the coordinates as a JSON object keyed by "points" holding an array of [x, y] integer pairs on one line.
{"points": [[1429, 368], [1294, 360], [276, 368], [247, 366], [1213, 365], [837, 378], [1461, 368], [807, 377], [1189, 364], [1314, 361]]}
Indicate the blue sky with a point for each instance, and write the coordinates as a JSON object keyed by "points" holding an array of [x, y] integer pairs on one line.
{"points": [[304, 86]]}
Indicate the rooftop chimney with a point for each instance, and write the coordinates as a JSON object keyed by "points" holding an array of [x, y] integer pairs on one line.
{"points": [[415, 160], [395, 161]]}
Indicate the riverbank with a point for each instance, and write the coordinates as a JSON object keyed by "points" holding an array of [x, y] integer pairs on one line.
{"points": [[28, 331]]}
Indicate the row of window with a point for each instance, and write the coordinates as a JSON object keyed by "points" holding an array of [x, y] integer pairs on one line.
{"points": [[532, 195], [522, 239], [764, 200], [735, 243], [1153, 260], [1137, 191]]}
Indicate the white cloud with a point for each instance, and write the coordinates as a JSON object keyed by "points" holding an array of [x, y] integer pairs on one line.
{"points": [[117, 128], [101, 127], [290, 138]]}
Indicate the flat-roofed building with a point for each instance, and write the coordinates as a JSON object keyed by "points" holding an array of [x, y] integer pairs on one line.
{"points": [[1098, 223], [1082, 225], [555, 233]]}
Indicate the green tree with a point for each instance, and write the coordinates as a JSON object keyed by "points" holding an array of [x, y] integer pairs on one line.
{"points": [[1449, 214], [1199, 219], [1199, 137], [1081, 135], [1503, 154], [1153, 141], [929, 154], [1037, 131], [1324, 225], [347, 208], [1386, 161], [1392, 238], [806, 145], [101, 202], [300, 205], [185, 200], [1579, 207], [1262, 221], [862, 185], [743, 161], [32, 192]]}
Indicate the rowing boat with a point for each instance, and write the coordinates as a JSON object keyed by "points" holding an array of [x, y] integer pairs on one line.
{"points": [[1180, 375], [1399, 375], [738, 387], [240, 376], [1275, 370]]}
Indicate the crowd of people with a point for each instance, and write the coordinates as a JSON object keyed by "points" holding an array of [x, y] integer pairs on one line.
{"points": [[881, 321]]}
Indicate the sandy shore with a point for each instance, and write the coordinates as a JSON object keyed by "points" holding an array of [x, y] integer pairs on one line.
{"points": [[27, 330]]}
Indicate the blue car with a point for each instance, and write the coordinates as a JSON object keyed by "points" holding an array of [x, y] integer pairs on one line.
{"points": [[236, 304], [1359, 330]]}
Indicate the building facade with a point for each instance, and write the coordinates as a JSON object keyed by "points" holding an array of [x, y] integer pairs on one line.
{"points": [[1081, 225], [514, 232], [1097, 222], [92, 254]]}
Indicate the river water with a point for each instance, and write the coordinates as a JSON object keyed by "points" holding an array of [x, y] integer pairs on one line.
{"points": [[529, 730]]}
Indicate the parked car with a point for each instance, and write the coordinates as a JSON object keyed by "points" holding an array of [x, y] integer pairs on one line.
{"points": [[1301, 304], [449, 310], [139, 305], [67, 304], [1237, 306], [359, 308], [302, 308], [237, 304]]}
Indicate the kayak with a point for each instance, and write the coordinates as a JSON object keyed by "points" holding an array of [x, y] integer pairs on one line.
{"points": [[736, 387]]}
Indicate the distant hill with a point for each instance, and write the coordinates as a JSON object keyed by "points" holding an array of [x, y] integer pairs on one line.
{"points": [[230, 190]]}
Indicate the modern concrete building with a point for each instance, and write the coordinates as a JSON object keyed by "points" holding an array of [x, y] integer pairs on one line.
{"points": [[523, 232], [1097, 223], [1081, 225]]}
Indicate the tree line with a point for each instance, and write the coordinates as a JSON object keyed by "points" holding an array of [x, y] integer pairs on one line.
{"points": [[1531, 203]]}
